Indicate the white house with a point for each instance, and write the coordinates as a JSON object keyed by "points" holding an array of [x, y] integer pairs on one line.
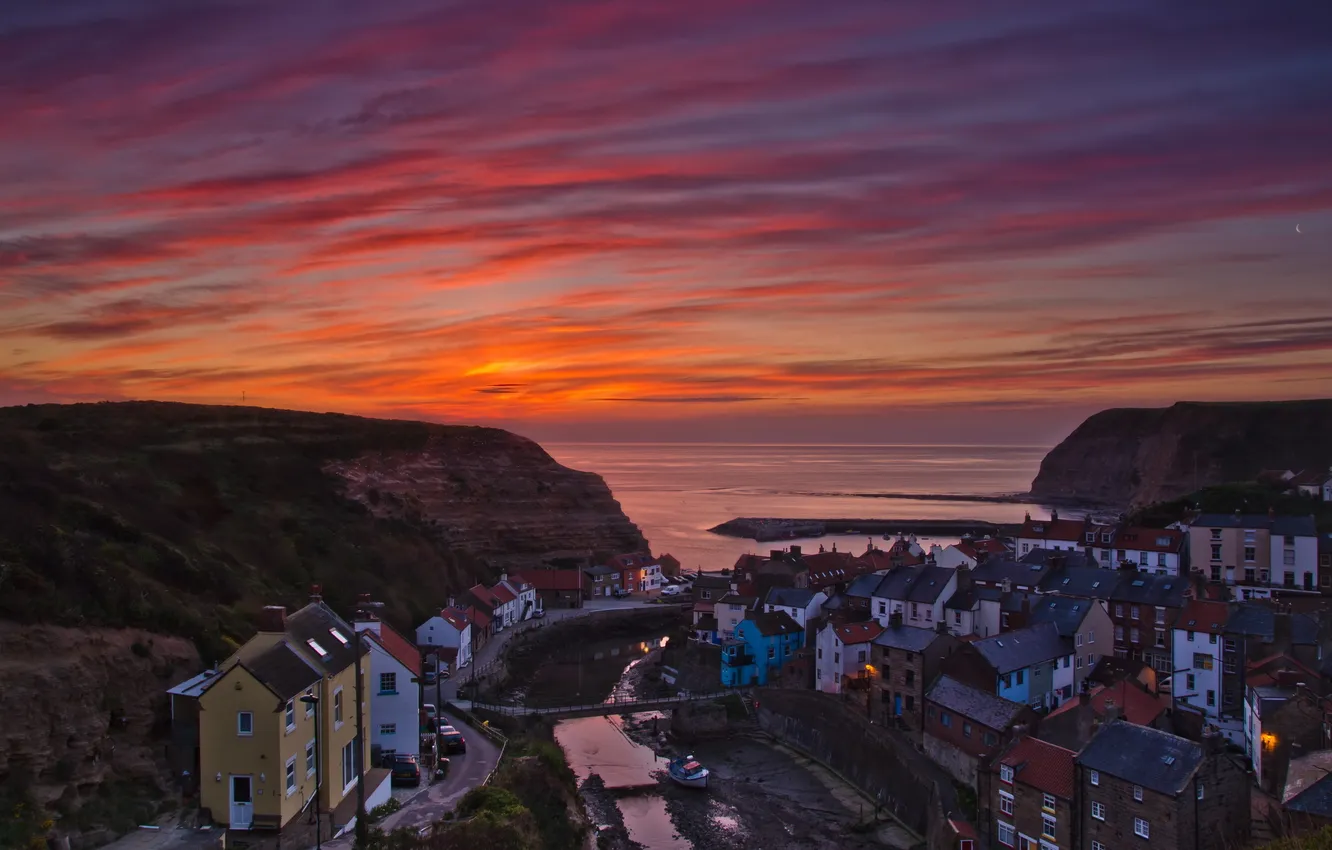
{"points": [[1060, 535], [917, 593], [842, 652], [527, 603], [730, 610], [968, 553], [800, 603], [1198, 643], [395, 692], [1294, 542], [1161, 551], [449, 628]]}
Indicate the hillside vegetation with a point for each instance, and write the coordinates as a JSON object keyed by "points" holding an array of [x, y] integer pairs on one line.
{"points": [[1247, 498], [184, 520]]}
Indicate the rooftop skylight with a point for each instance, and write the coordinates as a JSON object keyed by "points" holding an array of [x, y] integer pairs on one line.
{"points": [[314, 644]]}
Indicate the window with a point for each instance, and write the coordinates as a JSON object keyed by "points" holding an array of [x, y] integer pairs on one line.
{"points": [[244, 723], [1119, 609], [1133, 611], [1048, 802], [1160, 559], [289, 714], [1189, 636], [837, 657], [1289, 578], [1077, 641], [1211, 697], [914, 612], [1134, 635], [1250, 554], [1006, 802], [349, 764], [319, 650], [989, 738], [1079, 665], [309, 706], [1230, 666], [929, 614], [1216, 572], [1119, 634], [957, 617], [945, 718], [772, 652], [1200, 790], [1005, 834], [1095, 777], [1202, 661], [1160, 616], [1216, 534], [966, 729], [1048, 825], [388, 728], [883, 607], [860, 657], [1141, 828], [910, 703], [1160, 638], [291, 776], [1021, 674], [310, 758], [1211, 638], [1098, 811], [1096, 845], [337, 706], [820, 653], [338, 636], [1091, 635], [1190, 682], [1137, 793], [388, 683]]}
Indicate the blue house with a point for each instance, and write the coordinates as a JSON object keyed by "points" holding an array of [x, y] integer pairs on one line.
{"points": [[762, 644], [1032, 665]]}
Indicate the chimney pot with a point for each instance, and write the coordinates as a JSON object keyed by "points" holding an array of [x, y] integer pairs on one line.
{"points": [[316, 592], [273, 618]]}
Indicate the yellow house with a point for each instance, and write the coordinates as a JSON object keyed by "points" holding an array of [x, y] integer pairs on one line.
{"points": [[259, 751]]}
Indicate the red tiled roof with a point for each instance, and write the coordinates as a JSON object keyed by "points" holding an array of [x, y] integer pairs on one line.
{"points": [[1135, 705], [1203, 616], [502, 594], [1055, 529], [748, 562], [399, 647], [483, 595], [1264, 672], [1041, 765], [973, 548], [455, 617], [852, 633], [1149, 539], [633, 560], [478, 617], [554, 579], [962, 828]]}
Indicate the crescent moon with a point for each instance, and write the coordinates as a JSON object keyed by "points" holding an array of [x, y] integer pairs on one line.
{"points": [[1297, 229]]}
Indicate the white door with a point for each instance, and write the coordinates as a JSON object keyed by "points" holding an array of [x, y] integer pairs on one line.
{"points": [[242, 802]]}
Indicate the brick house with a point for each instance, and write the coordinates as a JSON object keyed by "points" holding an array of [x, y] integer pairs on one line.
{"points": [[1141, 787], [964, 727], [1143, 610], [557, 588], [905, 659], [1029, 795]]}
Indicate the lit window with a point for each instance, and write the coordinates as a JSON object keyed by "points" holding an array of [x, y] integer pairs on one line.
{"points": [[1141, 828], [1098, 811]]}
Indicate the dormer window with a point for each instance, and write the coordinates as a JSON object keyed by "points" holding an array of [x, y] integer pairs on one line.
{"points": [[1105, 538], [338, 636], [1091, 537], [319, 650]]}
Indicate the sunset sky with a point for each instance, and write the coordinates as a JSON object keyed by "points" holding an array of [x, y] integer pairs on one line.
{"points": [[855, 219]]}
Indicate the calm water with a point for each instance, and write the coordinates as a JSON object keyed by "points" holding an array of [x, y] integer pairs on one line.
{"points": [[676, 491]]}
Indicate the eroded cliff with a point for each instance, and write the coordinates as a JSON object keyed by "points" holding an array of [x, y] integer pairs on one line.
{"points": [[1136, 456]]}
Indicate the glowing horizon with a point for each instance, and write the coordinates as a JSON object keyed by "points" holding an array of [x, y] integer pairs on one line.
{"points": [[544, 211]]}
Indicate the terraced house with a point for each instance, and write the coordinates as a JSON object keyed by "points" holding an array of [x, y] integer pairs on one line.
{"points": [[259, 751], [1030, 795]]}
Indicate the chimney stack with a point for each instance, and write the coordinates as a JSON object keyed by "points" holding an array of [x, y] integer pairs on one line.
{"points": [[1054, 515], [273, 618], [795, 550], [895, 620], [941, 627], [316, 593], [1271, 513]]}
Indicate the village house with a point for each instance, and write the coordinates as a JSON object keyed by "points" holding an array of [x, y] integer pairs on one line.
{"points": [[830, 571], [1286, 712], [1029, 794], [965, 726], [259, 754], [1198, 662], [1159, 551], [639, 573], [1081, 582], [506, 606], [859, 594], [917, 593], [1055, 534], [1032, 666], [1141, 787], [1144, 609], [970, 553], [962, 610], [1085, 622], [1306, 799], [600, 581], [730, 610], [525, 602], [904, 660], [1314, 483], [1076, 722], [449, 628], [395, 689], [762, 645], [708, 590], [1257, 552], [843, 656], [800, 604], [556, 588]]}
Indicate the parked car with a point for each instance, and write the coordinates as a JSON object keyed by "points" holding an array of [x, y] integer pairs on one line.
{"points": [[621, 593], [671, 590], [430, 711], [451, 740], [539, 613], [406, 770]]}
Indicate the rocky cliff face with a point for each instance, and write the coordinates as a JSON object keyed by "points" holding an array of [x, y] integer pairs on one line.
{"points": [[1136, 456]]}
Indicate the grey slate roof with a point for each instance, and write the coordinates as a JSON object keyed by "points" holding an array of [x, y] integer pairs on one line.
{"points": [[1309, 784], [776, 623], [990, 711], [908, 638], [284, 670], [1143, 755], [737, 599], [712, 582], [1254, 620], [790, 597], [601, 570], [896, 584], [1300, 526], [963, 600], [1143, 589], [929, 584], [1043, 557], [317, 622], [1066, 612], [863, 587], [1021, 649], [998, 569], [1087, 582]]}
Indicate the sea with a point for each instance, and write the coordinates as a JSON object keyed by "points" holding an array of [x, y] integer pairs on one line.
{"points": [[675, 492]]}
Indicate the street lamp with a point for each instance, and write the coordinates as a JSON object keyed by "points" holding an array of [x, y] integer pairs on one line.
{"points": [[312, 700]]}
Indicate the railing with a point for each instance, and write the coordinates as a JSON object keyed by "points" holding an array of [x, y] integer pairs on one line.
{"points": [[617, 704], [740, 659]]}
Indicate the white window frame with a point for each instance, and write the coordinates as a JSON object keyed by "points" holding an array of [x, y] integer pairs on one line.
{"points": [[1049, 826], [388, 729], [1006, 802], [311, 758], [289, 774], [1137, 793], [999, 833], [1096, 845], [391, 678], [1095, 776], [241, 731], [1098, 810], [1048, 801], [1005, 774], [1142, 828], [337, 708], [289, 715]]}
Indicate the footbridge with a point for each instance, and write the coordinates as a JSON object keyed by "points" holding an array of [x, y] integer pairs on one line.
{"points": [[618, 704]]}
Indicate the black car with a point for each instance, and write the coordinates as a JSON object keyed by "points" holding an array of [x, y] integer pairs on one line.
{"points": [[451, 740], [406, 770]]}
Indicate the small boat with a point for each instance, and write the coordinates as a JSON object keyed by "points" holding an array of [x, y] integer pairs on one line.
{"points": [[688, 772]]}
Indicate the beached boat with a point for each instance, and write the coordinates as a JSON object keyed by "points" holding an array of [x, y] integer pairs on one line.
{"points": [[688, 772]]}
